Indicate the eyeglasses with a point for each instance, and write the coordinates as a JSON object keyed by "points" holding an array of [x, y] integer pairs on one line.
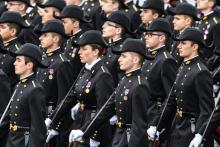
{"points": [[152, 34], [107, 23], [13, 4]]}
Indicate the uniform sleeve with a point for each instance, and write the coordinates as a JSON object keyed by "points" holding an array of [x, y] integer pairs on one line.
{"points": [[64, 80], [103, 90], [4, 96], [92, 125], [203, 87], [168, 74], [140, 100], [37, 107]]}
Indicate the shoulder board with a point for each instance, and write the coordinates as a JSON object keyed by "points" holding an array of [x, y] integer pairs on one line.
{"points": [[139, 79], [16, 46], [199, 66], [102, 68], [165, 54], [61, 57], [135, 8], [215, 20], [33, 83]]}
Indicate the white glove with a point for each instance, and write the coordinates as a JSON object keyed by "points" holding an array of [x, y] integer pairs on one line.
{"points": [[113, 120], [215, 88], [152, 132], [48, 121], [93, 143], [75, 135], [74, 111], [197, 140], [51, 134]]}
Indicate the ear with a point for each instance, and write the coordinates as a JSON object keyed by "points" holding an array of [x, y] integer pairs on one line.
{"points": [[155, 15], [96, 52], [13, 32], [22, 7], [30, 65], [195, 47], [118, 30], [56, 13]]}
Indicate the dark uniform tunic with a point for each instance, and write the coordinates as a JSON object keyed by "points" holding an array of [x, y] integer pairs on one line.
{"points": [[7, 61], [206, 26], [111, 60], [92, 89], [57, 78], [129, 102], [27, 115], [191, 100], [71, 53], [160, 73], [5, 92]]}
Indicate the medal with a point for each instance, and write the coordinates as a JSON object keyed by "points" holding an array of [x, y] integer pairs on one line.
{"points": [[50, 77], [87, 90], [125, 98]]}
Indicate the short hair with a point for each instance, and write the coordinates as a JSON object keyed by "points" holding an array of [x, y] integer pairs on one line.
{"points": [[14, 26], [99, 47], [34, 62], [59, 36]]}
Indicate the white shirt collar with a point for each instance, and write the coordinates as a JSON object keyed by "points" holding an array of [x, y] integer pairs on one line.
{"points": [[89, 66]]}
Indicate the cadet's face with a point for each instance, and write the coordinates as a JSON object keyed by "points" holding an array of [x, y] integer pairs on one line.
{"points": [[14, 6], [126, 61], [202, 4], [87, 55], [5, 32], [107, 5], [146, 16], [152, 39], [68, 25], [179, 22], [20, 66], [109, 29], [185, 49], [47, 14], [46, 40]]}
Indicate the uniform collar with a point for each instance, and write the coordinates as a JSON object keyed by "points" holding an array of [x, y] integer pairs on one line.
{"points": [[57, 50], [90, 66], [27, 78], [192, 60], [133, 73], [154, 52]]}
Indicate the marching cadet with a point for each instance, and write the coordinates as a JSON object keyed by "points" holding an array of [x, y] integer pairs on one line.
{"points": [[115, 29], [92, 88], [11, 24], [129, 101], [5, 88], [161, 71], [106, 8], [184, 16], [151, 9], [58, 77], [27, 34], [28, 109], [191, 98], [51, 8], [209, 19], [73, 19]]}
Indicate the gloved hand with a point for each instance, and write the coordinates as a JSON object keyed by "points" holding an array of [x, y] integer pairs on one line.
{"points": [[93, 143], [74, 111], [152, 133], [75, 135], [113, 120], [48, 122], [51, 134], [197, 140]]}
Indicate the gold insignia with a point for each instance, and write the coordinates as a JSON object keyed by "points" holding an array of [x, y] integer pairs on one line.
{"points": [[87, 90], [73, 55], [154, 52], [49, 54], [129, 74], [187, 62], [125, 98], [50, 77], [23, 81]]}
